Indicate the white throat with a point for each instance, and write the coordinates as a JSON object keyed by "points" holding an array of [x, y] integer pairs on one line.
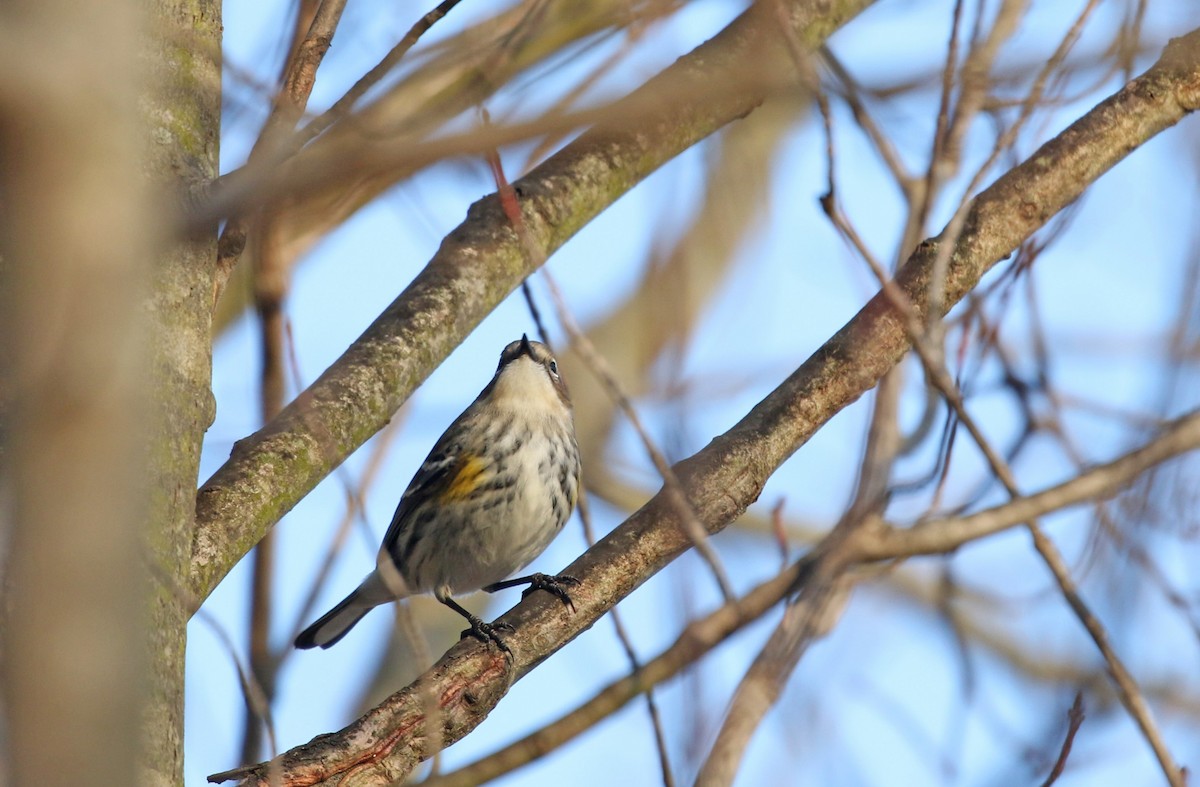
{"points": [[525, 385]]}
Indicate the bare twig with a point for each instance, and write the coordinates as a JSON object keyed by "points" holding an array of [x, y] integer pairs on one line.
{"points": [[582, 345], [1074, 721], [852, 94], [939, 536], [285, 112], [636, 667], [258, 701], [354, 495], [508, 199], [691, 523]]}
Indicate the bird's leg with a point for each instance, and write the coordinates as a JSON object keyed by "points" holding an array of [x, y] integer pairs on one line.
{"points": [[550, 583], [480, 630]]}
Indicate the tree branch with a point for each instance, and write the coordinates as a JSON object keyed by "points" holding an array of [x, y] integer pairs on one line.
{"points": [[939, 536], [300, 74]]}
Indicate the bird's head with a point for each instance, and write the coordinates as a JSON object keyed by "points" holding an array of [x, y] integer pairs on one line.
{"points": [[528, 376]]}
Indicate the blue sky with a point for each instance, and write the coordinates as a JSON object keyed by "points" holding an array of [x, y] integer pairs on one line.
{"points": [[886, 689]]}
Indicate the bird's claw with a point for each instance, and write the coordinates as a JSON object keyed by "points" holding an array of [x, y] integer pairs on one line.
{"points": [[554, 585], [487, 632]]}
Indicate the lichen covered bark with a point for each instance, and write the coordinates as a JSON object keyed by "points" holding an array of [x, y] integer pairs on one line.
{"points": [[183, 116]]}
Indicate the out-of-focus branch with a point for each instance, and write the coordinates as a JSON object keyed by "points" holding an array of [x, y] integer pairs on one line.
{"points": [[463, 72], [478, 265], [270, 278], [275, 145], [666, 305], [345, 105], [299, 78], [270, 289], [728, 474], [810, 617], [939, 536], [723, 78]]}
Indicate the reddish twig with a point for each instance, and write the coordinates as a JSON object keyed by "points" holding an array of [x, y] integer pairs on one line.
{"points": [[508, 200], [1074, 721]]}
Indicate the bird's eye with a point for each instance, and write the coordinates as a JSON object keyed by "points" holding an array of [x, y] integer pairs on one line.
{"points": [[554, 367]]}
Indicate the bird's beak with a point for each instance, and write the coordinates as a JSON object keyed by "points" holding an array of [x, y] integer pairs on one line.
{"points": [[526, 347]]}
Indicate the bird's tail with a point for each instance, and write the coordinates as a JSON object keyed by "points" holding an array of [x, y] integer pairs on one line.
{"points": [[335, 623]]}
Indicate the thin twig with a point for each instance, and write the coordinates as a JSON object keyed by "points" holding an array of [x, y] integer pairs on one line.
{"points": [[422, 653], [938, 536], [257, 701], [289, 104], [508, 197], [852, 94], [691, 523], [599, 367], [251, 690], [355, 494], [1074, 721], [957, 223], [589, 533], [345, 105], [660, 737]]}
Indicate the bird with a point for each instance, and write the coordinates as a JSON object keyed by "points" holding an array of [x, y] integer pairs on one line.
{"points": [[495, 490]]}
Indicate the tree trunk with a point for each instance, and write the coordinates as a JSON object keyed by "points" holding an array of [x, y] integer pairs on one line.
{"points": [[184, 125]]}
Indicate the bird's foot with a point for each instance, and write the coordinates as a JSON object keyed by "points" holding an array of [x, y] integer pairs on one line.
{"points": [[487, 632], [553, 584]]}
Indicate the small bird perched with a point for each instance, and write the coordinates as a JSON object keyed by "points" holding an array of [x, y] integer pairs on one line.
{"points": [[490, 497]]}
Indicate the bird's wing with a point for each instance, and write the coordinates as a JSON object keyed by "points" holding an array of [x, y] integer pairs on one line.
{"points": [[449, 473]]}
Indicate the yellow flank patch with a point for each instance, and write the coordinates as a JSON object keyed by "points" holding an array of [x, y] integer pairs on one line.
{"points": [[466, 479]]}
